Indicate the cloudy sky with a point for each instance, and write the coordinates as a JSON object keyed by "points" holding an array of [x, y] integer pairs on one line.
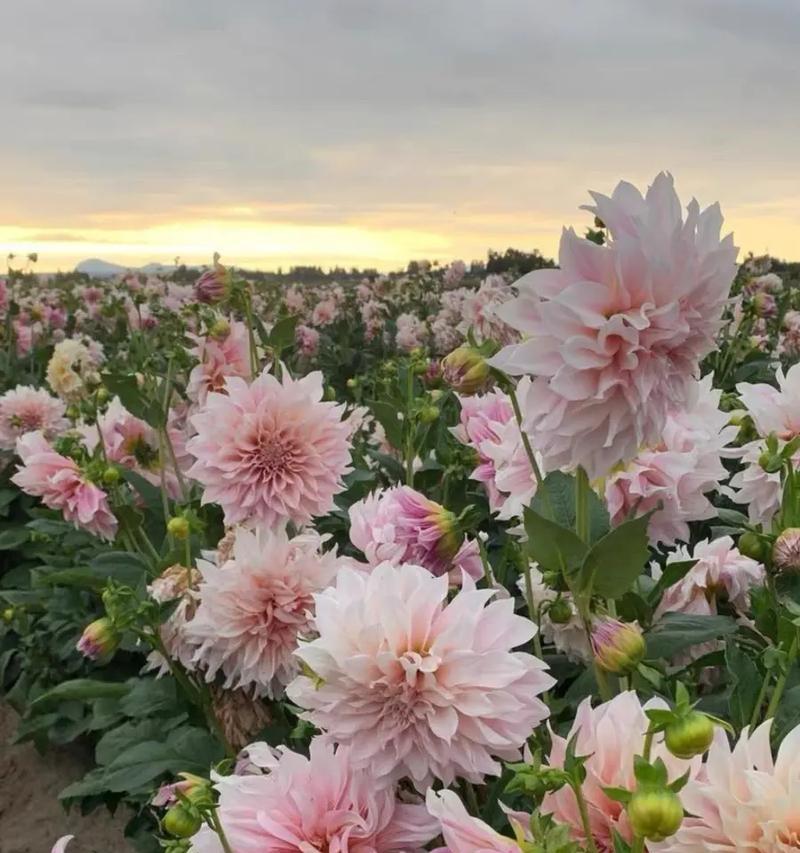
{"points": [[374, 131]]}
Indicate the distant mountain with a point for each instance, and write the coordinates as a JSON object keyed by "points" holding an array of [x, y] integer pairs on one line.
{"points": [[98, 268]]}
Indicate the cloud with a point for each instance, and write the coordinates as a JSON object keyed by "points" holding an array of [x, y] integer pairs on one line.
{"points": [[369, 113]]}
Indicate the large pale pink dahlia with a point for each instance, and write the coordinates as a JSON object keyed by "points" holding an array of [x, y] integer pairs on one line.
{"points": [[61, 485], [744, 800], [417, 686], [775, 409], [400, 525], [673, 477], [615, 334], [254, 608], [611, 735], [462, 832], [320, 803], [271, 450], [26, 409]]}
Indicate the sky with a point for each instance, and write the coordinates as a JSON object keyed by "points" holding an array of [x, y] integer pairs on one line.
{"points": [[371, 132]]}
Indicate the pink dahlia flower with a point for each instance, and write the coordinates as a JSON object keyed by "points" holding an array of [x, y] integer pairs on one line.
{"points": [[775, 409], [489, 427], [462, 832], [616, 334], [611, 735], [480, 312], [720, 570], [400, 525], [25, 409], [220, 357], [308, 340], [678, 472], [61, 485], [411, 332], [271, 450], [254, 608], [754, 487], [744, 799], [323, 802], [417, 686], [453, 275]]}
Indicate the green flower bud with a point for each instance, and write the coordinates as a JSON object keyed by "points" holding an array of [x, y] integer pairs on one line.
{"points": [[220, 330], [352, 382], [770, 462], [99, 640], [111, 476], [181, 822], [73, 412], [178, 527], [465, 370], [655, 813], [618, 646], [689, 736], [752, 545], [429, 414], [101, 395], [560, 611], [8, 615]]}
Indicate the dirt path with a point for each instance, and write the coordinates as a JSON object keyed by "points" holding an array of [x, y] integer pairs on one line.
{"points": [[31, 817]]}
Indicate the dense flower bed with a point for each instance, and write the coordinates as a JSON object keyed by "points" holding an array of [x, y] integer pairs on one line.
{"points": [[441, 560]]}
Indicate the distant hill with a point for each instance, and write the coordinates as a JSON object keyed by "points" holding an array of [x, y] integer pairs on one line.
{"points": [[98, 268]]}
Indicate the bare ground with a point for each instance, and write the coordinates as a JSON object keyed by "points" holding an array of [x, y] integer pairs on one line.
{"points": [[31, 817]]}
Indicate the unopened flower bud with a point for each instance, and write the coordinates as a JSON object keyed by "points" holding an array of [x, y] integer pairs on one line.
{"points": [[560, 611], [73, 412], [465, 370], [618, 646], [765, 305], [770, 462], [330, 393], [99, 640], [753, 546], [111, 476], [213, 285], [786, 551], [352, 383], [220, 329], [8, 615], [432, 377], [180, 822], [178, 527], [689, 736], [655, 813], [101, 395], [429, 414]]}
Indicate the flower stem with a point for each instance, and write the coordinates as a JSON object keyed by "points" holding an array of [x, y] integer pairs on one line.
{"points": [[526, 443], [780, 684], [584, 812], [216, 825], [582, 504], [409, 425]]}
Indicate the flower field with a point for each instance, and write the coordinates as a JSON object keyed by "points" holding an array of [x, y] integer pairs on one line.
{"points": [[465, 558]]}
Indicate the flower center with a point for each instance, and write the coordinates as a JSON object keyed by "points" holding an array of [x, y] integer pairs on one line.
{"points": [[273, 456]]}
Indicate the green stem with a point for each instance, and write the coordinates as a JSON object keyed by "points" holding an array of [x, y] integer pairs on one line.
{"points": [[780, 684], [582, 489], [248, 311], [526, 443], [584, 812], [162, 459], [216, 825], [762, 695], [409, 425], [648, 744], [638, 845]]}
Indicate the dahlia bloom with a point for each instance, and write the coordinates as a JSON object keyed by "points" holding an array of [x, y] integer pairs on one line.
{"points": [[325, 312], [411, 332], [323, 802], [479, 312], [754, 487], [72, 364], [418, 686], [220, 357], [489, 427], [271, 450], [775, 409], [744, 799], [610, 735], [462, 832], [308, 340], [213, 285], [720, 569], [25, 409], [678, 472], [616, 333], [61, 485], [175, 582], [400, 525], [454, 273], [254, 608]]}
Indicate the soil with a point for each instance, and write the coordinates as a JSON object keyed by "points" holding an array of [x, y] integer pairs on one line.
{"points": [[31, 816]]}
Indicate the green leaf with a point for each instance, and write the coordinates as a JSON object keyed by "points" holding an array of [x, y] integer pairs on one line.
{"points": [[79, 688], [116, 741], [675, 632], [615, 562], [13, 538], [554, 547], [619, 795], [744, 687], [387, 416], [123, 567], [673, 572], [560, 490], [149, 697], [282, 335]]}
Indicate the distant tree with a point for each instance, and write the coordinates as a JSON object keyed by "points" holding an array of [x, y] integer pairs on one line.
{"points": [[516, 261]]}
